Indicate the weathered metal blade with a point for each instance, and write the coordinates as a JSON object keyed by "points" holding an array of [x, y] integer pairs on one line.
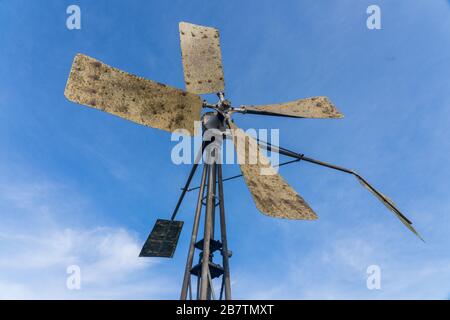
{"points": [[273, 196], [202, 58], [390, 205], [143, 101], [315, 107]]}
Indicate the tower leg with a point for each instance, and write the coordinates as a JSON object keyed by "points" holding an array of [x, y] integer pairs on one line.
{"points": [[223, 234], [210, 208], [187, 272]]}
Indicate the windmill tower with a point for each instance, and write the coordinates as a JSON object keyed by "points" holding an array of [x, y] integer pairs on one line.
{"points": [[157, 105]]}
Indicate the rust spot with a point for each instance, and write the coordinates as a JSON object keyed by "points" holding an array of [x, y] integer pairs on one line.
{"points": [[90, 90], [93, 102], [96, 64], [179, 118], [122, 109]]}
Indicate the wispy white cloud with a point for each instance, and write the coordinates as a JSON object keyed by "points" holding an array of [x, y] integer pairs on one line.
{"points": [[35, 255], [337, 270]]}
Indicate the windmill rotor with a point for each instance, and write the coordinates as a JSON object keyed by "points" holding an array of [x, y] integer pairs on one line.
{"points": [[150, 103]]}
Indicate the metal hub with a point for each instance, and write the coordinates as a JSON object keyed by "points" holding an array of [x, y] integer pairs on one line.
{"points": [[213, 120], [223, 106]]}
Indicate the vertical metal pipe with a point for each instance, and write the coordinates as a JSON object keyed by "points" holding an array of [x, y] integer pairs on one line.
{"points": [[213, 216], [223, 233], [198, 289], [207, 232], [190, 287], [213, 226], [190, 258]]}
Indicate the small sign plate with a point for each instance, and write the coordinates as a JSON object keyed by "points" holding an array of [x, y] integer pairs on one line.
{"points": [[163, 239]]}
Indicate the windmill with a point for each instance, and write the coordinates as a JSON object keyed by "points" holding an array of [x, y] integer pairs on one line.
{"points": [[157, 105]]}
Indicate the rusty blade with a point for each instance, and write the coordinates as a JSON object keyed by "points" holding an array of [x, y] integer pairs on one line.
{"points": [[143, 101], [273, 196], [202, 58], [315, 107]]}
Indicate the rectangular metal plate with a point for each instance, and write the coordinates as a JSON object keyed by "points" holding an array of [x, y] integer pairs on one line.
{"points": [[146, 102], [163, 239], [202, 58]]}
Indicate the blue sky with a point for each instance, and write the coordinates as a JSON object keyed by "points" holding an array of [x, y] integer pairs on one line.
{"points": [[80, 187]]}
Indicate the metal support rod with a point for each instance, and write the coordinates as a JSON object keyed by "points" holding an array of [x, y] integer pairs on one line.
{"points": [[213, 225], [223, 234], [213, 215], [211, 287], [221, 290], [198, 289], [190, 258], [244, 110], [188, 182], [210, 205], [292, 154], [240, 175], [214, 157], [190, 288]]}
